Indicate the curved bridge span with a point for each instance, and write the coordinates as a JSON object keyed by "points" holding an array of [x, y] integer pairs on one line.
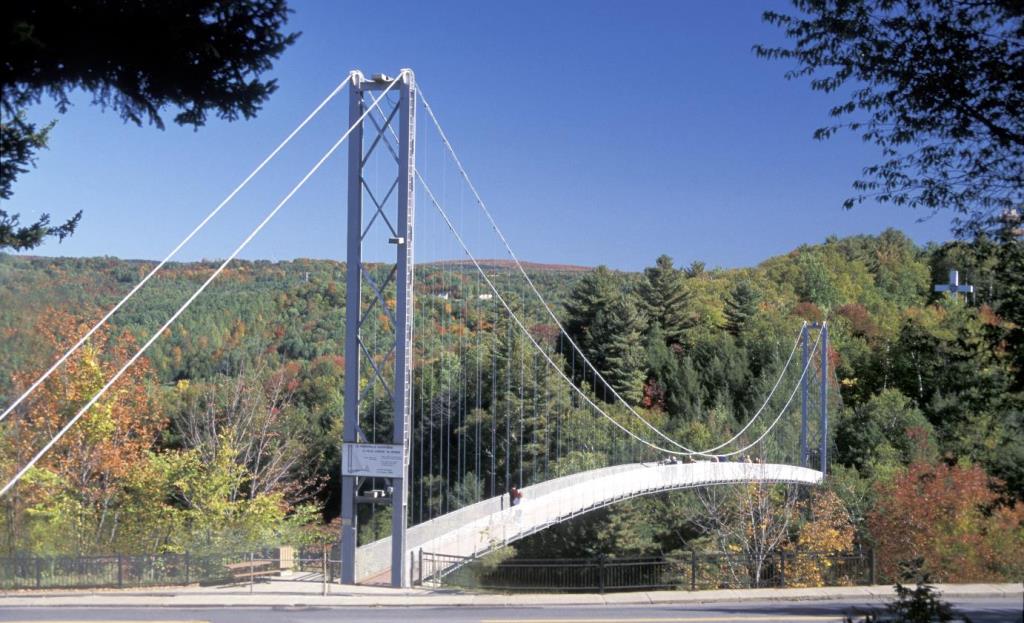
{"points": [[492, 523]]}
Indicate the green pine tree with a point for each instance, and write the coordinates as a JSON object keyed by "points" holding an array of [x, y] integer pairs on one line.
{"points": [[618, 333], [667, 299], [594, 292], [740, 307]]}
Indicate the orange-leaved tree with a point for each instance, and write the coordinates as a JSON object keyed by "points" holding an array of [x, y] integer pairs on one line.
{"points": [[947, 516], [69, 502]]}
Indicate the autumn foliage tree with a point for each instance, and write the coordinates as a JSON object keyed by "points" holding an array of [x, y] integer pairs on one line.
{"points": [[947, 515], [828, 530], [753, 519], [111, 484], [70, 499], [252, 415]]}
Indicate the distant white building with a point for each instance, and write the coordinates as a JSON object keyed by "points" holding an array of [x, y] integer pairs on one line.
{"points": [[443, 295], [485, 297]]}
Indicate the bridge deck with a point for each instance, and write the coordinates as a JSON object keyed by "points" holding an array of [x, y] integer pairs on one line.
{"points": [[492, 523]]}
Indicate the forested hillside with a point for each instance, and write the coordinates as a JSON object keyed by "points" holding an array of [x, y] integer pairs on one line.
{"points": [[227, 434]]}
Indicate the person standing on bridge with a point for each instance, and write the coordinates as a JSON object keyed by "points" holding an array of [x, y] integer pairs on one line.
{"points": [[515, 495]]}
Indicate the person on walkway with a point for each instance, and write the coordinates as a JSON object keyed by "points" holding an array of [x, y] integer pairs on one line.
{"points": [[515, 495]]}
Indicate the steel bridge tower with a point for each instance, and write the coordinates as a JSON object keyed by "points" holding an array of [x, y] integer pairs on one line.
{"points": [[805, 450], [365, 366]]}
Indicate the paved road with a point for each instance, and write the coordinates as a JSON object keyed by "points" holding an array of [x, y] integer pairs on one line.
{"points": [[989, 610]]}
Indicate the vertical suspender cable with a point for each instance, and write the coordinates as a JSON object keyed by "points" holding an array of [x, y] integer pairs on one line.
{"points": [[479, 396], [522, 408], [422, 436], [460, 446], [558, 416], [494, 403], [430, 450], [535, 420], [508, 404]]}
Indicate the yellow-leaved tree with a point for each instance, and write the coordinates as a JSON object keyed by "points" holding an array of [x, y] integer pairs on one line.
{"points": [[812, 555]]}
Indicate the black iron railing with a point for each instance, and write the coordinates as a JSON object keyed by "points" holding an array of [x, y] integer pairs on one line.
{"points": [[692, 571], [109, 571], [123, 571]]}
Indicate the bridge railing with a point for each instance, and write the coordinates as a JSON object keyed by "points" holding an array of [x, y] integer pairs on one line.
{"points": [[691, 571]]}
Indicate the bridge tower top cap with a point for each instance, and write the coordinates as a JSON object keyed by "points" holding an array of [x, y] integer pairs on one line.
{"points": [[357, 77]]}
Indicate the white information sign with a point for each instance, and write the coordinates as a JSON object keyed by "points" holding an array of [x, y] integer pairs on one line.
{"points": [[372, 459]]}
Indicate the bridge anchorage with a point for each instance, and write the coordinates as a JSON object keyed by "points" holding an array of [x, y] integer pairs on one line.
{"points": [[479, 415]]}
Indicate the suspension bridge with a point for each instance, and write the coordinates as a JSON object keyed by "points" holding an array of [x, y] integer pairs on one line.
{"points": [[464, 383]]}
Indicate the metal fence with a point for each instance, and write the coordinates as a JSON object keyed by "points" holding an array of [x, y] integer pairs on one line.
{"points": [[122, 571], [693, 571]]}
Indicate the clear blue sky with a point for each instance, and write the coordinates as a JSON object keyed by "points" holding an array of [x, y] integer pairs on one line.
{"points": [[598, 132]]}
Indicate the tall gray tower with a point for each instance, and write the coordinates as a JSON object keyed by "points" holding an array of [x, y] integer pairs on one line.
{"points": [[368, 362]]}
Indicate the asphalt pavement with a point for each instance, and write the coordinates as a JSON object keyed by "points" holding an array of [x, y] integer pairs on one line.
{"points": [[985, 610], [300, 599]]}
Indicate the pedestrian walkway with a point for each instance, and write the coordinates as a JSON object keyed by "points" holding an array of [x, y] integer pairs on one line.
{"points": [[487, 525], [296, 594]]}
